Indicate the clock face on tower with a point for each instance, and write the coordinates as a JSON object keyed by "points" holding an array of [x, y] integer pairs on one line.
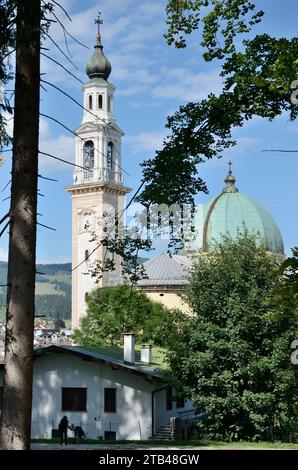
{"points": [[88, 221]]}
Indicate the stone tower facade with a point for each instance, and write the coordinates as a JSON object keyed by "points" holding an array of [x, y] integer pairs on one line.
{"points": [[98, 182]]}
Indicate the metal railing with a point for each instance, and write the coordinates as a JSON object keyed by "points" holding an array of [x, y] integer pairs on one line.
{"points": [[191, 416], [96, 175]]}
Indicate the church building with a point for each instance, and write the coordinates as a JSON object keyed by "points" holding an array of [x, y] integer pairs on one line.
{"points": [[97, 189], [226, 214]]}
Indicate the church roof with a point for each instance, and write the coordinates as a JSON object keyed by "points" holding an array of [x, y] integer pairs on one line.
{"points": [[163, 270], [231, 211]]}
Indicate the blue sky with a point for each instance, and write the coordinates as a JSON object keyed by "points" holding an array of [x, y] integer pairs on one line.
{"points": [[152, 81]]}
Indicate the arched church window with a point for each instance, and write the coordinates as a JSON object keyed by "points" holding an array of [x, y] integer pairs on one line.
{"points": [[110, 155], [89, 154], [109, 103], [87, 256], [90, 101], [99, 101]]}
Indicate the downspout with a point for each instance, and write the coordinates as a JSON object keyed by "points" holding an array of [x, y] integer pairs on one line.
{"points": [[153, 408]]}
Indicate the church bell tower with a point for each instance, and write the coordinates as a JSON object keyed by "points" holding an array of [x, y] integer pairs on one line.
{"points": [[98, 181]]}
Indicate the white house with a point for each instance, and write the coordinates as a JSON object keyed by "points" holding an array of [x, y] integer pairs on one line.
{"points": [[108, 397]]}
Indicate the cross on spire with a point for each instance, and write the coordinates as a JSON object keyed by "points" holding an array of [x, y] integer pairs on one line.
{"points": [[98, 21], [230, 167]]}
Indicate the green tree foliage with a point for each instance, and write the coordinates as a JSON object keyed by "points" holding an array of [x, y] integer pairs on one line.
{"points": [[200, 131], [257, 75], [289, 271], [219, 21], [113, 311], [233, 356]]}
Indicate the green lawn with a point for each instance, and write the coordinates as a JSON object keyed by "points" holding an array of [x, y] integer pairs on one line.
{"points": [[196, 443]]}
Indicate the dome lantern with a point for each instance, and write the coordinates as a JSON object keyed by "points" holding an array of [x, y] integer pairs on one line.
{"points": [[230, 181]]}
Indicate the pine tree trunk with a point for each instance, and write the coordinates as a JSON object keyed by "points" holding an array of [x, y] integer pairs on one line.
{"points": [[15, 427]]}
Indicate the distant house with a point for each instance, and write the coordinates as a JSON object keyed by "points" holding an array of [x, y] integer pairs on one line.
{"points": [[108, 396]]}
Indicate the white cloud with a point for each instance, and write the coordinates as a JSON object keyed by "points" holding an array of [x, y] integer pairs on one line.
{"points": [[61, 147], [245, 143], [146, 141], [129, 30], [182, 84]]}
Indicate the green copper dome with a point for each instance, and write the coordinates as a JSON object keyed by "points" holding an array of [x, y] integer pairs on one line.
{"points": [[230, 211], [98, 66]]}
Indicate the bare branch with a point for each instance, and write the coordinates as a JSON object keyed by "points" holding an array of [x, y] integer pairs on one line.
{"points": [[61, 160], [4, 228], [66, 44], [62, 66], [4, 218], [60, 6], [46, 178], [44, 88], [67, 32], [6, 55], [46, 226], [6, 186], [62, 52]]}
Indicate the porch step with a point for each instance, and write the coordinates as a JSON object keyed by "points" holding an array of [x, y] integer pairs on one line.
{"points": [[164, 433]]}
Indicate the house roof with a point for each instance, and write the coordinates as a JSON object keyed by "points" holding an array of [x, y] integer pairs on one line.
{"points": [[165, 270], [109, 356]]}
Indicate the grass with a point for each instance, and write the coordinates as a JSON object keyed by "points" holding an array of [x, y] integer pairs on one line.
{"points": [[45, 288], [53, 278], [190, 443]]}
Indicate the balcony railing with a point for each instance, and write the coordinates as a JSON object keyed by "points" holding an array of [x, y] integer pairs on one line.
{"points": [[96, 175]]}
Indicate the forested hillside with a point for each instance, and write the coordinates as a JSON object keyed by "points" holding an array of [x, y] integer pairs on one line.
{"points": [[53, 290]]}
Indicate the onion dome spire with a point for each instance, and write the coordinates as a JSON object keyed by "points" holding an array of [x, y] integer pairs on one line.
{"points": [[98, 66], [230, 181]]}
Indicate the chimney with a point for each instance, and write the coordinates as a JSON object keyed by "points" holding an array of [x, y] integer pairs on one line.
{"points": [[129, 347], [146, 354]]}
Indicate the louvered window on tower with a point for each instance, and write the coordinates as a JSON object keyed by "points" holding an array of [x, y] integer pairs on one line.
{"points": [[110, 156], [89, 154]]}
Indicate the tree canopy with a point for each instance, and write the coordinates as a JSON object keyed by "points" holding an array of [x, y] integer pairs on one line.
{"points": [[257, 75], [233, 356], [113, 311]]}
